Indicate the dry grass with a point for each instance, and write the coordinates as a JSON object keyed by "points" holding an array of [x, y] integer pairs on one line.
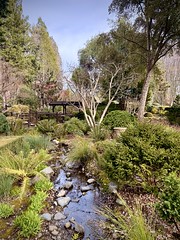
{"points": [[5, 140]]}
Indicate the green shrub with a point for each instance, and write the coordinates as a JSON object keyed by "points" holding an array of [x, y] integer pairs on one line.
{"points": [[59, 131], [173, 115], [144, 155], [37, 201], [37, 142], [46, 126], [75, 126], [43, 185], [6, 185], [19, 108], [169, 205], [29, 223], [99, 133], [6, 210], [4, 126], [118, 119], [82, 151], [16, 125]]}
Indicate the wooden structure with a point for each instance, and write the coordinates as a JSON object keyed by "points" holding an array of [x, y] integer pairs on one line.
{"points": [[64, 104]]}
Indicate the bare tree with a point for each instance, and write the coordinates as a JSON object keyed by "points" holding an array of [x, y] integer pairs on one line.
{"points": [[88, 85]]}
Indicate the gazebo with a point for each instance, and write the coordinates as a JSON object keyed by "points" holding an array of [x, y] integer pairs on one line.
{"points": [[64, 104]]}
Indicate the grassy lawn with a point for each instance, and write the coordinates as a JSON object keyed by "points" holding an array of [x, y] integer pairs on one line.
{"points": [[4, 140]]}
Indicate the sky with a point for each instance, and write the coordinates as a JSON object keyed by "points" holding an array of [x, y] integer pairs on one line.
{"points": [[71, 23]]}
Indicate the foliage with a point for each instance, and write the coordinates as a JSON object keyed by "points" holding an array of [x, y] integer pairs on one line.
{"points": [[6, 185], [173, 115], [75, 126], [82, 151], [145, 153], [129, 222], [99, 133], [37, 201], [9, 141], [59, 131], [6, 210], [118, 118], [37, 142], [169, 205], [26, 96], [43, 185], [29, 223], [176, 102], [46, 126], [19, 108], [16, 125], [22, 167], [4, 126]]}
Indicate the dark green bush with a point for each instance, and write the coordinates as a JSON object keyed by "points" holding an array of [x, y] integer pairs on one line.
{"points": [[75, 126], [173, 115], [4, 126], [169, 205], [118, 118], [144, 155]]}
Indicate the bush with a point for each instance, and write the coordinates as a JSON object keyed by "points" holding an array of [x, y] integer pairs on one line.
{"points": [[4, 126], [144, 155], [169, 205], [6, 210], [46, 126], [99, 133], [173, 115], [6, 185], [16, 125], [43, 185], [82, 151], [37, 142], [19, 108], [75, 126], [29, 223], [118, 119], [37, 201]]}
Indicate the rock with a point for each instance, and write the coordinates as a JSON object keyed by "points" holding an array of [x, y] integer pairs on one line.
{"points": [[76, 200], [46, 216], [47, 171], [113, 187], [73, 165], [68, 174], [52, 228], [62, 193], [90, 180], [63, 201], [55, 232], [55, 141], [86, 188], [68, 185], [59, 216], [69, 179], [67, 225]]}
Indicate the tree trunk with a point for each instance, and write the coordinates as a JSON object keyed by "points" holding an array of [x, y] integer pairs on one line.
{"points": [[144, 94]]}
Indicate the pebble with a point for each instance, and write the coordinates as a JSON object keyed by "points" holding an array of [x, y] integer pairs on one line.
{"points": [[90, 180], [67, 225], [62, 193], [46, 216], [59, 216], [63, 201], [68, 185], [86, 188], [52, 228], [55, 232]]}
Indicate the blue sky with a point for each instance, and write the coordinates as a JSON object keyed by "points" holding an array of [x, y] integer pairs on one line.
{"points": [[70, 22]]}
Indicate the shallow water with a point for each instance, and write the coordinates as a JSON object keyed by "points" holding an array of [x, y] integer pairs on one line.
{"points": [[84, 211]]}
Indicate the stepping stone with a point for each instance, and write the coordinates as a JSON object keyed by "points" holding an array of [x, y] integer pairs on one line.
{"points": [[63, 201]]}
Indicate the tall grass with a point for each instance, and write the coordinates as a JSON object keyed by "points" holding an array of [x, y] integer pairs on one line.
{"points": [[6, 183], [129, 222]]}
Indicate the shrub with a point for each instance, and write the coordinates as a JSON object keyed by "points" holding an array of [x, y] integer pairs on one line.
{"points": [[169, 205], [37, 201], [144, 155], [173, 115], [82, 151], [99, 133], [43, 185], [19, 108], [16, 125], [59, 131], [6, 210], [4, 126], [46, 126], [29, 223], [37, 142], [75, 126], [6, 185], [118, 119]]}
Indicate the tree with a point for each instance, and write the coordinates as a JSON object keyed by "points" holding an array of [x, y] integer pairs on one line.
{"points": [[157, 27], [99, 77], [48, 63]]}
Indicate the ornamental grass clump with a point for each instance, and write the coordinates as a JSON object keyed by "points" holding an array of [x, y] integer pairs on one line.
{"points": [[128, 223], [6, 210]]}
